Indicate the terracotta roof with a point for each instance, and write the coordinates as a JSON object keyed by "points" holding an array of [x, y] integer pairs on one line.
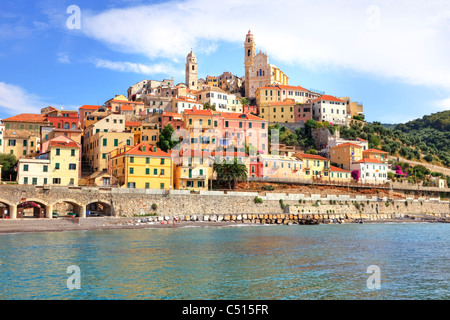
{"points": [[333, 168], [374, 151], [27, 117], [347, 144], [328, 98], [137, 150], [89, 107], [269, 88], [282, 86], [125, 101], [70, 144], [126, 107], [227, 154], [132, 123], [238, 116], [369, 161], [196, 112], [309, 156], [171, 114]]}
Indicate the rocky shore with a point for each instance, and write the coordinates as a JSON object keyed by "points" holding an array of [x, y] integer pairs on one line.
{"points": [[104, 223]]}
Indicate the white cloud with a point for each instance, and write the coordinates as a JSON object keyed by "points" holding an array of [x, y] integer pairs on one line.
{"points": [[15, 100], [406, 40], [63, 57], [442, 105], [159, 68]]}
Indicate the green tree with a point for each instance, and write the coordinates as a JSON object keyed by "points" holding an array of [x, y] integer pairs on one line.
{"points": [[230, 173], [8, 161], [166, 142], [208, 106], [245, 102]]}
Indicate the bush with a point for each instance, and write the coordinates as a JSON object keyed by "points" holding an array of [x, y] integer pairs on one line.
{"points": [[282, 204], [154, 206], [257, 200], [268, 188]]}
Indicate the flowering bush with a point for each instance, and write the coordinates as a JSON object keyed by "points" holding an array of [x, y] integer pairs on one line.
{"points": [[355, 175]]}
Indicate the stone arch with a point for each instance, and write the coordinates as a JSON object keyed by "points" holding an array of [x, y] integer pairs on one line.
{"points": [[6, 207], [37, 212], [98, 207], [59, 209]]}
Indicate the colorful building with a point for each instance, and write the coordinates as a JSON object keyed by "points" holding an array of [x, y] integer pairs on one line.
{"points": [[331, 109], [375, 154], [279, 111], [345, 154], [371, 170], [314, 166], [22, 133], [192, 170], [142, 166], [64, 162], [339, 175], [276, 166]]}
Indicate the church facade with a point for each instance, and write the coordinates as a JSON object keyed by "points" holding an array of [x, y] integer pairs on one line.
{"points": [[258, 71]]}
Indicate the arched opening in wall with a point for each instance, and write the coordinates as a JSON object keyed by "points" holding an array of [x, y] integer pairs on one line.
{"points": [[98, 209], [66, 208], [31, 209], [5, 210]]}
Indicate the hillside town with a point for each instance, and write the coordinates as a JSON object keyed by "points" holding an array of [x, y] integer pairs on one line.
{"points": [[164, 135]]}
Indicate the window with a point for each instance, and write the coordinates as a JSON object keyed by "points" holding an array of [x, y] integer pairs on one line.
{"points": [[56, 166], [45, 168], [162, 186], [226, 124], [12, 143], [147, 160], [45, 180], [25, 167], [147, 171], [131, 170], [162, 172], [147, 185], [58, 152], [25, 180], [116, 142], [105, 142], [72, 153], [131, 159], [56, 180], [72, 166], [162, 160], [155, 172]]}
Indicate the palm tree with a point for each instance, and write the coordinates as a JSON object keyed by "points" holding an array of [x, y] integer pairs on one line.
{"points": [[230, 173]]}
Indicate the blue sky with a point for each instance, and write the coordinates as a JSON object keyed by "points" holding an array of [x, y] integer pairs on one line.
{"points": [[390, 56]]}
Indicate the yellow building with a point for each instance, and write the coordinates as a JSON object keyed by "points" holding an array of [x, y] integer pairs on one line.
{"points": [[376, 154], [22, 133], [265, 95], [142, 166], [279, 111], [64, 161], [345, 154], [339, 175], [193, 170], [314, 166], [146, 132]]}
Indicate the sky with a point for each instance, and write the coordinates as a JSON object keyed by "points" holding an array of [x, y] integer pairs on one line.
{"points": [[391, 56]]}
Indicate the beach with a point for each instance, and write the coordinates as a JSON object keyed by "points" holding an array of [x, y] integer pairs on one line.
{"points": [[105, 223]]}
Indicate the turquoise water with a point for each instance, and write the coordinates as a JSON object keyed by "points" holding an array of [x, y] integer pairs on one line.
{"points": [[248, 262]]}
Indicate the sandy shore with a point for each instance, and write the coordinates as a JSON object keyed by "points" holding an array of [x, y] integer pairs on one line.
{"points": [[106, 223]]}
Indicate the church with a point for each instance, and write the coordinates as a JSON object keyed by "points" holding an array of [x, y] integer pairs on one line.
{"points": [[258, 71]]}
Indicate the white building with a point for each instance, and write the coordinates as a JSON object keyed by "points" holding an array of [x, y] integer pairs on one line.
{"points": [[184, 103], [371, 170], [329, 108], [215, 97], [34, 171]]}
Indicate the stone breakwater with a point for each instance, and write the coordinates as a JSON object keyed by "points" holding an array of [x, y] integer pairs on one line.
{"points": [[284, 219]]}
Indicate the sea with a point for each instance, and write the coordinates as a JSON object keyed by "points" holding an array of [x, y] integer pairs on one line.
{"points": [[376, 261]]}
